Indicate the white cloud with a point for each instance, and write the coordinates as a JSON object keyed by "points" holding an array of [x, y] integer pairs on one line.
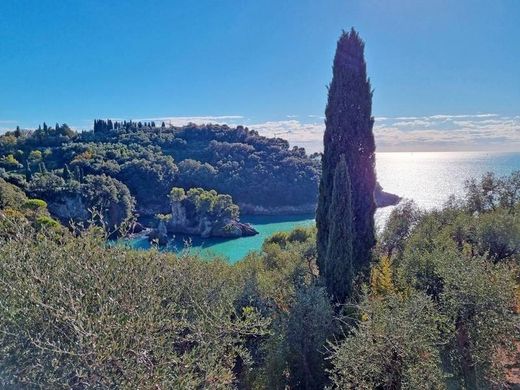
{"points": [[424, 133], [183, 120]]}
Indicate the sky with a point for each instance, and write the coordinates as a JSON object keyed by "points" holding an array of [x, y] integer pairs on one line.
{"points": [[446, 74]]}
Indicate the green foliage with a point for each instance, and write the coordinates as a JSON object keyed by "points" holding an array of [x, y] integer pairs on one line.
{"points": [[398, 227], [84, 315], [348, 132], [34, 205], [177, 194], [35, 156], [497, 234], [338, 266], [200, 204], [309, 325], [395, 346], [235, 161], [477, 299], [10, 162], [67, 174], [285, 239], [44, 184], [10, 196], [281, 283], [381, 277], [44, 221], [442, 309], [109, 197]]}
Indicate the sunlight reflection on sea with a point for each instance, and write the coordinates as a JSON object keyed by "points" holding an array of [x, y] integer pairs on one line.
{"points": [[429, 178]]}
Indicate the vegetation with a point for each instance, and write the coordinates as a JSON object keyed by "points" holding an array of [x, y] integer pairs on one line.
{"points": [[202, 212], [462, 287], [101, 197], [205, 204], [338, 272], [441, 310], [150, 160], [348, 135], [83, 315]]}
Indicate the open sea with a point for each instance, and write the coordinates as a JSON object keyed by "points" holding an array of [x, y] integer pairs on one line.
{"points": [[428, 178]]}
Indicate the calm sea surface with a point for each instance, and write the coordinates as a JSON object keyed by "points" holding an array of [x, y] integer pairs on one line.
{"points": [[427, 178]]}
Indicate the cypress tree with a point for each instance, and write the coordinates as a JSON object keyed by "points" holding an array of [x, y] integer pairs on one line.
{"points": [[67, 175], [338, 267], [42, 167], [28, 172], [348, 132], [78, 173]]}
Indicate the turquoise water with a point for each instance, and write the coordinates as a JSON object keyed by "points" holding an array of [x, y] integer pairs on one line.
{"points": [[427, 178], [233, 249]]}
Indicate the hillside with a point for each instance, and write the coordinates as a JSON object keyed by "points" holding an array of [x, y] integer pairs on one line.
{"points": [[139, 164]]}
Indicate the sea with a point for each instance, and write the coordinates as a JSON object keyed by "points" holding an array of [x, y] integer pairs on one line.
{"points": [[428, 178]]}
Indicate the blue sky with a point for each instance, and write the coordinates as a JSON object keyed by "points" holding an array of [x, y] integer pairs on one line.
{"points": [[446, 74]]}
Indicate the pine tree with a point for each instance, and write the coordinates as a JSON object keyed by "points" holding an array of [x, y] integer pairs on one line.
{"points": [[338, 266], [348, 132]]}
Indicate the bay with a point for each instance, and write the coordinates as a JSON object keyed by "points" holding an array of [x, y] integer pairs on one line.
{"points": [[428, 178], [231, 249]]}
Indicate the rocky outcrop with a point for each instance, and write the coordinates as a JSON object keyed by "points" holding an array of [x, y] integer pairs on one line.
{"points": [[68, 206], [234, 229], [187, 217], [207, 228], [384, 199]]}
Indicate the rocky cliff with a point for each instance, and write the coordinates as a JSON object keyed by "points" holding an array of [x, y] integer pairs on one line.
{"points": [[206, 226]]}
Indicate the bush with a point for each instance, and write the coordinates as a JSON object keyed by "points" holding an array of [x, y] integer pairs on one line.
{"points": [[35, 205], [394, 346], [84, 315], [10, 195]]}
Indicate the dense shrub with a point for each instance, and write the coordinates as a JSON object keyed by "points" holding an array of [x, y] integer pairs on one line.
{"points": [[394, 346], [84, 315], [10, 195]]}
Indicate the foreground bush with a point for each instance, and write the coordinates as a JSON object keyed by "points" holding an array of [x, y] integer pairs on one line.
{"points": [[395, 346], [76, 314]]}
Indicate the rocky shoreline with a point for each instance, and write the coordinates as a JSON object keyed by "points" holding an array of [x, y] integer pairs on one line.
{"points": [[178, 223]]}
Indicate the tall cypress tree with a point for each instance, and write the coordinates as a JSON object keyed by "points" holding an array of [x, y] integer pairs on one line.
{"points": [[348, 132], [338, 267]]}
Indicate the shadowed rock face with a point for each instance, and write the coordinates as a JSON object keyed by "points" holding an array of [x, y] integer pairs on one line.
{"points": [[183, 219], [206, 228], [384, 199]]}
